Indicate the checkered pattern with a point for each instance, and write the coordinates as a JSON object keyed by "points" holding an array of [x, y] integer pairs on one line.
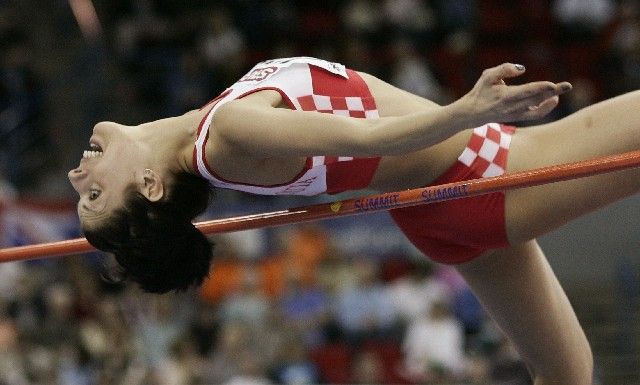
{"points": [[353, 106], [486, 152]]}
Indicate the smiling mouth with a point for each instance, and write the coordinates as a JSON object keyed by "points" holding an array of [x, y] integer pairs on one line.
{"points": [[94, 151]]}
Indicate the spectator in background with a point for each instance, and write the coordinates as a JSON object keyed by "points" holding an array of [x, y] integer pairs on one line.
{"points": [[159, 326], [59, 300], [364, 309], [26, 303], [222, 45], [248, 303], [22, 134], [367, 368], [411, 73], [622, 64], [117, 342], [627, 32], [334, 272], [434, 347], [305, 310], [145, 46], [233, 338], [414, 294], [10, 274], [456, 15], [582, 19], [413, 18], [362, 17], [464, 304], [360, 53], [12, 369], [303, 249], [274, 336], [8, 193], [226, 275], [469, 313], [189, 85], [204, 328], [250, 370], [181, 366], [74, 365], [141, 26], [295, 367]]}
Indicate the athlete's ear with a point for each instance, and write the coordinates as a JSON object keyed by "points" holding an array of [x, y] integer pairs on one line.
{"points": [[152, 186]]}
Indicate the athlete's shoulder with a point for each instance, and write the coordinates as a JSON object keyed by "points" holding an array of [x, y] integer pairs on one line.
{"points": [[336, 68], [269, 68]]}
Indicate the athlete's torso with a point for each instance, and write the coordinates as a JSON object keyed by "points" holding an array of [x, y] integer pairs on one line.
{"points": [[304, 84]]}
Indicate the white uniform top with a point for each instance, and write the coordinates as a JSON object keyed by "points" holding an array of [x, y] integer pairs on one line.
{"points": [[297, 81]]}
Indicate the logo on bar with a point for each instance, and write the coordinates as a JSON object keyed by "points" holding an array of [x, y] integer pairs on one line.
{"points": [[444, 193], [379, 202]]}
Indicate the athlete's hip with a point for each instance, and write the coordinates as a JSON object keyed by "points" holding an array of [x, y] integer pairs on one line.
{"points": [[419, 168]]}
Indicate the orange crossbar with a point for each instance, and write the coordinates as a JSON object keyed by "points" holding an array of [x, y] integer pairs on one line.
{"points": [[366, 204]]}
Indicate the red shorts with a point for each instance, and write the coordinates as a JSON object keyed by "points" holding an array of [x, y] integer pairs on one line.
{"points": [[459, 230]]}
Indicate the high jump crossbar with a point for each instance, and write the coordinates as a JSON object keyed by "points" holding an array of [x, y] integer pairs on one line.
{"points": [[365, 204]]}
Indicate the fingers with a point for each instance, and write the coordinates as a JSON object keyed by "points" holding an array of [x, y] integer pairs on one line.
{"points": [[493, 100], [495, 75], [536, 92], [541, 110]]}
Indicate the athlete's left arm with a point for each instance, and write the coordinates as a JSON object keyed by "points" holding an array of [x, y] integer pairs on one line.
{"points": [[253, 125], [261, 130]]}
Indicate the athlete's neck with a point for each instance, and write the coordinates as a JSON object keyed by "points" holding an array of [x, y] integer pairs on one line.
{"points": [[171, 140]]}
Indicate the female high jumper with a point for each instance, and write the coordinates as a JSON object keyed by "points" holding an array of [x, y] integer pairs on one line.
{"points": [[307, 126]]}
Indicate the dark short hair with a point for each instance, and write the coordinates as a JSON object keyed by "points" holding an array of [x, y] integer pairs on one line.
{"points": [[155, 243]]}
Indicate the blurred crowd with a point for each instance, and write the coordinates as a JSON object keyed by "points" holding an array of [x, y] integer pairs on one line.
{"points": [[359, 318], [141, 60], [306, 312]]}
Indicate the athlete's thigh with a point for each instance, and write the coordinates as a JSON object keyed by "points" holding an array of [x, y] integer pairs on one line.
{"points": [[420, 167], [606, 128], [520, 291]]}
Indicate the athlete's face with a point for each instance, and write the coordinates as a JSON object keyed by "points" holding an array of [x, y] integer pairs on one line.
{"points": [[107, 169]]}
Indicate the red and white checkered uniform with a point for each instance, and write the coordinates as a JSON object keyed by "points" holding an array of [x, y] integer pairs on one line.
{"points": [[355, 107], [449, 232], [306, 84], [487, 150], [459, 230]]}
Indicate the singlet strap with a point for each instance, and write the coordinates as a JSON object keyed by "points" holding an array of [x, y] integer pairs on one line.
{"points": [[199, 154]]}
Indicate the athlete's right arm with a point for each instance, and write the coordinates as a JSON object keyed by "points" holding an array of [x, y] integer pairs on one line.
{"points": [[259, 129]]}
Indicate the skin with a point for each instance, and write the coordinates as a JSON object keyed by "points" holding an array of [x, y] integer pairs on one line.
{"points": [[142, 157], [258, 140]]}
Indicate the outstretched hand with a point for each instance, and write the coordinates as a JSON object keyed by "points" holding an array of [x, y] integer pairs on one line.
{"points": [[492, 100]]}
